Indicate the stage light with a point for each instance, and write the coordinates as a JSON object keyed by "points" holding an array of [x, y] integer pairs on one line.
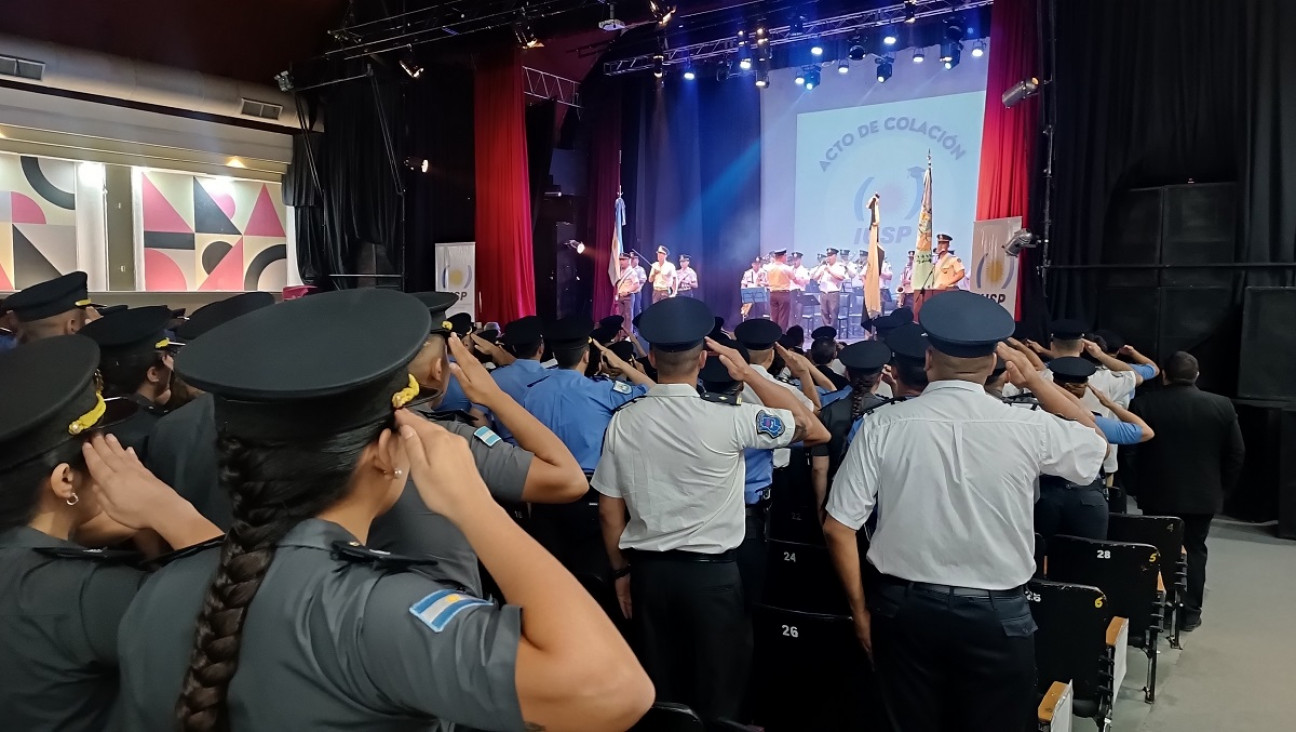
{"points": [[689, 73], [1020, 91], [410, 65], [417, 164], [953, 31], [978, 49], [744, 57], [919, 56], [284, 80], [761, 36], [798, 25], [911, 11], [812, 78], [950, 51], [526, 38], [659, 66], [885, 66], [762, 77], [801, 77], [816, 48], [857, 51], [890, 39], [954, 59], [724, 70], [843, 66], [1023, 239], [235, 163]]}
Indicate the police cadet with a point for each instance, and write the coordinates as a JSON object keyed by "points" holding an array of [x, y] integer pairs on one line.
{"points": [[182, 446], [453, 398], [540, 469], [574, 406], [61, 603], [52, 308], [761, 337], [674, 462], [135, 363], [519, 366], [864, 361], [298, 625], [951, 474]]}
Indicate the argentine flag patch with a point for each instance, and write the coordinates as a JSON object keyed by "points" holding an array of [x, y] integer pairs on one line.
{"points": [[439, 608], [487, 435]]}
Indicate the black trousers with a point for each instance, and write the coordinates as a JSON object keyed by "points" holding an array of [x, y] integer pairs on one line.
{"points": [[1072, 511], [753, 558], [947, 663], [695, 635], [1196, 527]]}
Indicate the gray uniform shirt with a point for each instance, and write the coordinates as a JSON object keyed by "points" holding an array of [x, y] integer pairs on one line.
{"points": [[184, 456], [329, 644], [58, 634]]}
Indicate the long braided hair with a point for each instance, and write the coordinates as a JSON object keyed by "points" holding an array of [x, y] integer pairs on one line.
{"points": [[861, 383], [273, 486]]}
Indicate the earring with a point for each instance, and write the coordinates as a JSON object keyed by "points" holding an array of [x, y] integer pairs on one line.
{"points": [[398, 472], [73, 500]]}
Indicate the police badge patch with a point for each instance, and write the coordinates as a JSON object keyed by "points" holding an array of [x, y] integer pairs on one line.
{"points": [[769, 424]]}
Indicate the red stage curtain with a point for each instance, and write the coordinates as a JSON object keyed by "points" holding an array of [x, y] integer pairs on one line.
{"points": [[505, 262], [1008, 141], [604, 179]]}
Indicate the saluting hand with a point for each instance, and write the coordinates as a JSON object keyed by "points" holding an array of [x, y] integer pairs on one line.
{"points": [[1018, 368], [733, 361], [613, 361], [1092, 348], [441, 465], [476, 381], [127, 492]]}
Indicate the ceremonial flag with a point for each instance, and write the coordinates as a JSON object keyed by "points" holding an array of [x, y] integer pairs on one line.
{"points": [[922, 270], [618, 220], [872, 275]]}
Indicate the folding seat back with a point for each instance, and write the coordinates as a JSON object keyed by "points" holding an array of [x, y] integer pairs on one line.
{"points": [[793, 515], [1071, 642], [1126, 572], [801, 577]]}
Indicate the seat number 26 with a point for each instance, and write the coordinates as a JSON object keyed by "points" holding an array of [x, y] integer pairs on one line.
{"points": [[790, 631]]}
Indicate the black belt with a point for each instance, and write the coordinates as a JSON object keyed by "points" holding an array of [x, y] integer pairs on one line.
{"points": [[678, 555], [951, 590]]}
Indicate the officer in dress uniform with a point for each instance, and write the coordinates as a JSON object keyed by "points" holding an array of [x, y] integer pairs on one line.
{"points": [[951, 474], [182, 445], [135, 362], [574, 406], [52, 308], [671, 530], [523, 342], [1074, 508], [864, 361], [60, 602], [325, 632]]}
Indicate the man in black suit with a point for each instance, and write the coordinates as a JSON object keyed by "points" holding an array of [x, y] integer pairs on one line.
{"points": [[1195, 459]]}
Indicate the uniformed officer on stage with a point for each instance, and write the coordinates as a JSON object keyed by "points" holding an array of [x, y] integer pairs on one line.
{"points": [[52, 308], [671, 485], [864, 361], [60, 603], [135, 363], [293, 623], [951, 476]]}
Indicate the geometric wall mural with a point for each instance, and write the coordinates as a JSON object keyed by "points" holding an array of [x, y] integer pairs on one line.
{"points": [[207, 233], [37, 220]]}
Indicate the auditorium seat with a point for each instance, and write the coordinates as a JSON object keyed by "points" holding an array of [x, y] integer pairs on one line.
{"points": [[1071, 644], [1129, 576], [801, 577], [1054, 712], [793, 515], [1166, 533], [669, 717]]}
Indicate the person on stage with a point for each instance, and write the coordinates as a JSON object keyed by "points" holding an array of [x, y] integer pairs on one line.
{"points": [[800, 275], [780, 276], [642, 277], [662, 276], [686, 278], [906, 283], [751, 279], [628, 287], [830, 275], [949, 268]]}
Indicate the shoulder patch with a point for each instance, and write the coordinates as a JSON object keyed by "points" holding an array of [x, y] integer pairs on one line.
{"points": [[621, 387], [439, 608], [487, 435], [769, 424]]}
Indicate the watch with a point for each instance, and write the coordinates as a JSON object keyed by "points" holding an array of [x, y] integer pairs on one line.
{"points": [[618, 574]]}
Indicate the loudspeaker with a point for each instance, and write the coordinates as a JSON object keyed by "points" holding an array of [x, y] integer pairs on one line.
{"points": [[1268, 344], [1201, 320], [1198, 227], [1287, 476]]}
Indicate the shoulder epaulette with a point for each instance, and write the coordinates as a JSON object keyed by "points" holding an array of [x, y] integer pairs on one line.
{"points": [[733, 399], [189, 551], [632, 401], [378, 559], [1027, 399], [885, 401], [457, 415], [108, 556]]}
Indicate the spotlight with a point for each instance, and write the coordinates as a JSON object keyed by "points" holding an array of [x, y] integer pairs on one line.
{"points": [[911, 11], [801, 77], [526, 38], [762, 78], [857, 51], [956, 55], [689, 73], [1023, 239], [724, 70], [949, 50], [761, 36], [978, 49], [744, 57], [919, 56], [661, 12], [1020, 91], [797, 27], [817, 49], [417, 164], [885, 66], [890, 37], [953, 31], [410, 65], [812, 78], [284, 80], [843, 66], [659, 66]]}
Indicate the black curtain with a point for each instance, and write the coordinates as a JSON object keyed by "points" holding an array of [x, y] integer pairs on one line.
{"points": [[1161, 92], [692, 171]]}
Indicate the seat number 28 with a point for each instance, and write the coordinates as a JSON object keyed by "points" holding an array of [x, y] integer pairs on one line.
{"points": [[1104, 553]]}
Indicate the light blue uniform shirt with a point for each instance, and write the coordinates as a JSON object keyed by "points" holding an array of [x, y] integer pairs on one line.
{"points": [[760, 473], [1147, 371], [1118, 432], [833, 396], [578, 410], [514, 380]]}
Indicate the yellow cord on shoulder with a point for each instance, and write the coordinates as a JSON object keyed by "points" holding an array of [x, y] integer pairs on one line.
{"points": [[406, 395], [90, 418]]}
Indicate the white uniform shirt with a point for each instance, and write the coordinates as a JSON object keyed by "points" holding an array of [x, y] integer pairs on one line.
{"points": [[781, 457], [1117, 386], [752, 279], [956, 468], [800, 277], [665, 279], [831, 276], [677, 461]]}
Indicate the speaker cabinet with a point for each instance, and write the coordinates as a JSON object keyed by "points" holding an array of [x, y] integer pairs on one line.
{"points": [[1268, 352]]}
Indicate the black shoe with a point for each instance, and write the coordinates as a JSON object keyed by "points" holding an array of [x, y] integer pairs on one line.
{"points": [[1188, 625]]}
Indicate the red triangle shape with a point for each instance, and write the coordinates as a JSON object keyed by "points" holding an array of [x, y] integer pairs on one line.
{"points": [[228, 274], [159, 214], [265, 219], [5, 284]]}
